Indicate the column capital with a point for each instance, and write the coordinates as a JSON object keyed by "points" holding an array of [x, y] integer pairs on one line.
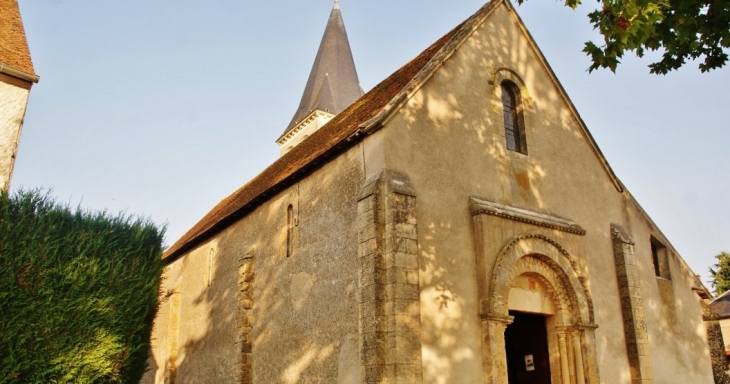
{"points": [[498, 318]]}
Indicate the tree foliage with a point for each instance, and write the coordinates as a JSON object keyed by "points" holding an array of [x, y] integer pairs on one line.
{"points": [[682, 29], [720, 273], [78, 292]]}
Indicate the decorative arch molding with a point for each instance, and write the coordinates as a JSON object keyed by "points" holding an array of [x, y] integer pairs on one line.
{"points": [[572, 329], [541, 255], [503, 73], [520, 113]]}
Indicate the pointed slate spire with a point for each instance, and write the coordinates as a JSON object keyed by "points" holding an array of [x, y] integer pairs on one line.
{"points": [[333, 84]]}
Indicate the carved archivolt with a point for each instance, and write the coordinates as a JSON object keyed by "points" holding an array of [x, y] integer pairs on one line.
{"points": [[539, 255], [573, 328], [504, 73]]}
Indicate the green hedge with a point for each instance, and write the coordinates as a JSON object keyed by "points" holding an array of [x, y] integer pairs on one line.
{"points": [[78, 292]]}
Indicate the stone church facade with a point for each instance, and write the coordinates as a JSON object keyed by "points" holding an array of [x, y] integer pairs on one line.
{"points": [[455, 224], [16, 79]]}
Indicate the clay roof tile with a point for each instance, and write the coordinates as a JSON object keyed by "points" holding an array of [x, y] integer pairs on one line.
{"points": [[13, 45], [334, 137]]}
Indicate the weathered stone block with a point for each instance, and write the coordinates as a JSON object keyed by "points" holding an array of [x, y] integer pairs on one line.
{"points": [[367, 232], [366, 218], [372, 278], [369, 309], [404, 291], [369, 293], [367, 247], [374, 324], [408, 372], [371, 263], [401, 260], [408, 324], [407, 307], [374, 340], [367, 204], [403, 230], [374, 355], [246, 320]]}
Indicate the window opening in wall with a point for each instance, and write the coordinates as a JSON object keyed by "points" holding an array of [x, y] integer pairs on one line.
{"points": [[514, 125], [210, 267], [289, 230], [659, 258]]}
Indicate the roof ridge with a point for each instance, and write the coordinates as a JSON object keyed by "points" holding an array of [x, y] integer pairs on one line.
{"points": [[340, 133], [460, 33]]}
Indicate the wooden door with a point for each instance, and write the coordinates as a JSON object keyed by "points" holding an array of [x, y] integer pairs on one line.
{"points": [[526, 344]]}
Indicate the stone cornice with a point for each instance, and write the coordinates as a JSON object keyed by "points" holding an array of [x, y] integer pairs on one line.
{"points": [[306, 121], [18, 73], [479, 206]]}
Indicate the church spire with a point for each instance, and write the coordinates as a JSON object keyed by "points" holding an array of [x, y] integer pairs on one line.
{"points": [[333, 84]]}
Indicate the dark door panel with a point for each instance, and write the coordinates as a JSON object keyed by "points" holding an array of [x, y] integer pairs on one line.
{"points": [[528, 359]]}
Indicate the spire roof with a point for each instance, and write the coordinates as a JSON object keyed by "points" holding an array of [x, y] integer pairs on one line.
{"points": [[333, 84], [13, 45]]}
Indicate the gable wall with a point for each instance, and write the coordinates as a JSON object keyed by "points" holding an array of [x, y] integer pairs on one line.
{"points": [[449, 139]]}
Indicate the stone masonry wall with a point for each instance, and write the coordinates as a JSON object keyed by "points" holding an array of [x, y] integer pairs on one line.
{"points": [[245, 318], [632, 306], [390, 319]]}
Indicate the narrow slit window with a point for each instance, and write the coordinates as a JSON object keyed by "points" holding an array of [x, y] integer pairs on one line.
{"points": [[210, 267], [655, 258], [514, 125], [289, 230]]}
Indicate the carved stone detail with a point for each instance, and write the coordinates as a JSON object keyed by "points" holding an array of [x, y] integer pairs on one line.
{"points": [[543, 259], [632, 307], [245, 317], [479, 206]]}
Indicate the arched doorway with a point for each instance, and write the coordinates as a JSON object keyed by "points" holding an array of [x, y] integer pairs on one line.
{"points": [[535, 285], [527, 350], [527, 340]]}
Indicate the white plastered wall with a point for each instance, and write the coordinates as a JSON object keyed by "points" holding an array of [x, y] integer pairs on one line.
{"points": [[13, 100]]}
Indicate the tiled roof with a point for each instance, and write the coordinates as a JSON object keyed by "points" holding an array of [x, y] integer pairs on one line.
{"points": [[13, 45], [721, 305], [334, 137]]}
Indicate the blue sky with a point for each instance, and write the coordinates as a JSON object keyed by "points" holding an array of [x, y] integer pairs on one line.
{"points": [[162, 108]]}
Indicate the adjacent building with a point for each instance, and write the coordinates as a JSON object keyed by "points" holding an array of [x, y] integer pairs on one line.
{"points": [[16, 79], [720, 310]]}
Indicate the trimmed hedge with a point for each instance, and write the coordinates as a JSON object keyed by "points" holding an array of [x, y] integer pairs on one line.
{"points": [[78, 292]]}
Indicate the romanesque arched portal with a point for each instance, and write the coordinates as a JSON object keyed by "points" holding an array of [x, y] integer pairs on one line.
{"points": [[572, 323]]}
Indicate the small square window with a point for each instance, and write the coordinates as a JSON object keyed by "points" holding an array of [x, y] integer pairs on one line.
{"points": [[659, 257]]}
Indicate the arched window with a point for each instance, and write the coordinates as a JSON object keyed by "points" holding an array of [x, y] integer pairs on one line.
{"points": [[289, 230], [514, 124], [211, 254]]}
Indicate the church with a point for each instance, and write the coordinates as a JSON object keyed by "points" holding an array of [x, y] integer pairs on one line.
{"points": [[455, 224]]}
